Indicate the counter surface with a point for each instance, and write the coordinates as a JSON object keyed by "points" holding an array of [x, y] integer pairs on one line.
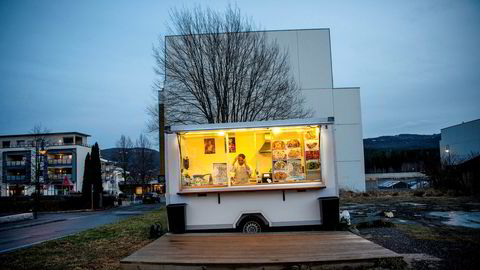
{"points": [[254, 187]]}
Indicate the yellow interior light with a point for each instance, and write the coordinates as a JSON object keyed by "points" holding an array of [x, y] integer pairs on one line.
{"points": [[221, 133], [276, 130]]}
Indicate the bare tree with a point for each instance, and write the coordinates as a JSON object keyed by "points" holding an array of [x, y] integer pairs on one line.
{"points": [[143, 163], [216, 68], [39, 142], [124, 154], [39, 134]]}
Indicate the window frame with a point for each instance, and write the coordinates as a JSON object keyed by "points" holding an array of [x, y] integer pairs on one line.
{"points": [[295, 185]]}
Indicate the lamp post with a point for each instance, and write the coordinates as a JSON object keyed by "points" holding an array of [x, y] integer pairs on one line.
{"points": [[161, 134], [39, 152]]}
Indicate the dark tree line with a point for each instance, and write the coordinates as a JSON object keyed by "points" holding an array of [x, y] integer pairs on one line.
{"points": [[461, 177], [388, 160], [92, 177], [136, 160]]}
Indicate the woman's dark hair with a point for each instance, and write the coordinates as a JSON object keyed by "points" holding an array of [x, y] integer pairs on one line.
{"points": [[242, 156]]}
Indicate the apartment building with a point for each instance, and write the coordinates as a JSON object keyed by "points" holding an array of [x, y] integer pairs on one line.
{"points": [[60, 166], [112, 176]]}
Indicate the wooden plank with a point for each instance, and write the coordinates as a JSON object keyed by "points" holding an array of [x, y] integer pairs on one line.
{"points": [[256, 249]]}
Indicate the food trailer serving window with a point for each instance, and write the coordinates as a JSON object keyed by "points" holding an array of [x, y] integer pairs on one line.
{"points": [[250, 157]]}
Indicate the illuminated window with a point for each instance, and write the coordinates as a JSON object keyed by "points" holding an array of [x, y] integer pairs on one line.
{"points": [[250, 156]]}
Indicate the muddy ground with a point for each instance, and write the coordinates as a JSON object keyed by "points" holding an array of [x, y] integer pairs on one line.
{"points": [[432, 230]]}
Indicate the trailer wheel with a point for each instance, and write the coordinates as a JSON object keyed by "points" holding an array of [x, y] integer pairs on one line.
{"points": [[251, 225]]}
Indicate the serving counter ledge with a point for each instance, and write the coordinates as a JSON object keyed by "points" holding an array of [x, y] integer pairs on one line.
{"points": [[252, 188]]}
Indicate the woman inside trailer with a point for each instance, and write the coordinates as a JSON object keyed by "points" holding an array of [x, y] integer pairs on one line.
{"points": [[241, 170]]}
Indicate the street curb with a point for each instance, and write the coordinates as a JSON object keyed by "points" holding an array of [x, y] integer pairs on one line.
{"points": [[78, 211], [31, 224], [15, 218], [73, 211]]}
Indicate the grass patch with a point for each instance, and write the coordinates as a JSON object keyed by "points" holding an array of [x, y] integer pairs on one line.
{"points": [[99, 248], [449, 234]]}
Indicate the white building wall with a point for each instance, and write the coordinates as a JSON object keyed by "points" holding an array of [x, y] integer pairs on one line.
{"points": [[81, 155], [310, 57], [311, 64], [349, 139], [462, 141]]}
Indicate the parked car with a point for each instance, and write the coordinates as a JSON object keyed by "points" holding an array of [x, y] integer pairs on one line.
{"points": [[150, 197]]}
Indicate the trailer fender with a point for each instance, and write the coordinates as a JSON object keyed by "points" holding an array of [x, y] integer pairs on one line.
{"points": [[258, 215]]}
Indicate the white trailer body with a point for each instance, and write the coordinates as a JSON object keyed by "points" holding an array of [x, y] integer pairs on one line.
{"points": [[283, 200]]}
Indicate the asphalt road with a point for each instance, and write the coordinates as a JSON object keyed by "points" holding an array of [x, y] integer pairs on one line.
{"points": [[58, 225]]}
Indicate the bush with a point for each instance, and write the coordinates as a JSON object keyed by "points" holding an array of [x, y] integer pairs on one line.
{"points": [[108, 201], [418, 193], [433, 193]]}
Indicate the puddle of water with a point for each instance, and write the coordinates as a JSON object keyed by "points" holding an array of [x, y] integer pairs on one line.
{"points": [[460, 218], [413, 204], [403, 221]]}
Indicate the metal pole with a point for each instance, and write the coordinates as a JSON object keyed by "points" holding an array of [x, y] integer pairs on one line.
{"points": [[161, 133], [37, 180]]}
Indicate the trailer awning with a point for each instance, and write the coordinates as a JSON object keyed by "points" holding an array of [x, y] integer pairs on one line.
{"points": [[256, 124]]}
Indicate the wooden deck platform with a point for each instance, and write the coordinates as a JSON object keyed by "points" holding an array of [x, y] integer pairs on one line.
{"points": [[237, 250]]}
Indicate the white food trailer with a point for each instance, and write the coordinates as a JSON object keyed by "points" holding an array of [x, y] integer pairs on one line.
{"points": [[293, 180]]}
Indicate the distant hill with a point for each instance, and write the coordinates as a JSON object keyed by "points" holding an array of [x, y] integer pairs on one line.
{"points": [[403, 142], [111, 154]]}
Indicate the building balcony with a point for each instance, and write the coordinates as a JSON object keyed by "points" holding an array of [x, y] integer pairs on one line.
{"points": [[65, 144], [15, 163], [60, 161], [47, 144], [14, 178], [59, 177]]}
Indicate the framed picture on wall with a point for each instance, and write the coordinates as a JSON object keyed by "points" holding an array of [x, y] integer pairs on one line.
{"points": [[209, 145], [232, 147]]}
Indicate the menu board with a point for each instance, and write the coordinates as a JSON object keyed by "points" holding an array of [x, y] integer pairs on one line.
{"points": [[295, 170], [287, 162], [312, 155], [220, 173]]}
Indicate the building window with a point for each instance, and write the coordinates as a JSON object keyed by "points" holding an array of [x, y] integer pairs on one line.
{"points": [[6, 144], [21, 143], [68, 140], [248, 157]]}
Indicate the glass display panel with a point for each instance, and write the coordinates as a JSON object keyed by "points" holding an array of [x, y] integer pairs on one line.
{"points": [[249, 157]]}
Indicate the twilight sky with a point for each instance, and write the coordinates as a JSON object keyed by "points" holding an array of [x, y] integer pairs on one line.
{"points": [[87, 65]]}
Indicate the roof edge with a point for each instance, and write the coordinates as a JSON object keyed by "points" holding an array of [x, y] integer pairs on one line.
{"points": [[253, 124], [468, 122], [257, 31]]}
